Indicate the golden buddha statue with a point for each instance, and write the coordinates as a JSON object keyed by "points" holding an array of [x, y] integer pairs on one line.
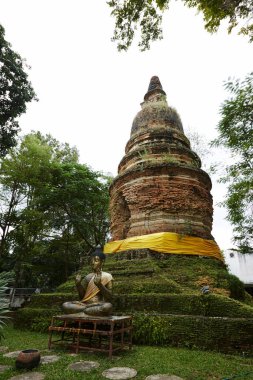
{"points": [[95, 290]]}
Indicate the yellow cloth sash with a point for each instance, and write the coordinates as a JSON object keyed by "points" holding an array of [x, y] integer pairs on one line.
{"points": [[167, 242], [92, 289]]}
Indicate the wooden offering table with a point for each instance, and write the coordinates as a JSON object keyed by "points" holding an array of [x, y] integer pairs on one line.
{"points": [[103, 334]]}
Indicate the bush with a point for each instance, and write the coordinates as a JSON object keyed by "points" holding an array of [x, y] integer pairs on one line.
{"points": [[236, 288]]}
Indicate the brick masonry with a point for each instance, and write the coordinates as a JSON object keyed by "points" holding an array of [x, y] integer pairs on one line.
{"points": [[160, 186]]}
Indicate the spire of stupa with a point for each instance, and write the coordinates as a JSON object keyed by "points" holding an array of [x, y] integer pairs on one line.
{"points": [[154, 87]]}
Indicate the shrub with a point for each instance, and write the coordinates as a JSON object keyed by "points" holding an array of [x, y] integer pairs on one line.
{"points": [[236, 288]]}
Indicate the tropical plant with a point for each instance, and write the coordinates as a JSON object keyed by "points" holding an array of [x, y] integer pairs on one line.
{"points": [[5, 278]]}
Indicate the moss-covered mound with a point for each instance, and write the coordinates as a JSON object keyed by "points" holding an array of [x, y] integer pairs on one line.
{"points": [[176, 274], [163, 292]]}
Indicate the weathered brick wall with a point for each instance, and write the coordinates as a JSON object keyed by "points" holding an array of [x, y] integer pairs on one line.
{"points": [[161, 198], [160, 186]]}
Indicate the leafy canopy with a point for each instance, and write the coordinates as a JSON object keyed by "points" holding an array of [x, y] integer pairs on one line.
{"points": [[15, 92], [53, 211], [236, 133], [147, 15]]}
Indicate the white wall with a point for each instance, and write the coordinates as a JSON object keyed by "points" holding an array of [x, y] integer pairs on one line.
{"points": [[240, 265]]}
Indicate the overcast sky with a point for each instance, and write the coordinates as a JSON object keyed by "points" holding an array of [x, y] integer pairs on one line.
{"points": [[89, 93]]}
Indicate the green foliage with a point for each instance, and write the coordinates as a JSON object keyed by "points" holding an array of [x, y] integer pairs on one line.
{"points": [[51, 300], [147, 15], [78, 197], [236, 133], [53, 210], [221, 334], [172, 274], [68, 286], [231, 283], [210, 305], [5, 278], [130, 13], [15, 92], [233, 12], [209, 322], [35, 319], [144, 286]]}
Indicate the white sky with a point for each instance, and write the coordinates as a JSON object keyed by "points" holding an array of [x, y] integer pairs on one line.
{"points": [[89, 93]]}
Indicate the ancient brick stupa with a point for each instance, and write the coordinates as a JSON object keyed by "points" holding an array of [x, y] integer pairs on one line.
{"points": [[161, 197], [161, 216]]}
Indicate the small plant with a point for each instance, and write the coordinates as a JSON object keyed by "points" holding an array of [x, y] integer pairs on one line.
{"points": [[143, 154], [168, 158], [5, 278]]}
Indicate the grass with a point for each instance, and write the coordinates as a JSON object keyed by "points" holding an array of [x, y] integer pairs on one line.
{"points": [[188, 364]]}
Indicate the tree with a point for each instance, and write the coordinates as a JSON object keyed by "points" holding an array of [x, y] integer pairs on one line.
{"points": [[147, 15], [52, 211], [75, 204], [235, 130], [77, 199], [22, 173], [15, 92]]}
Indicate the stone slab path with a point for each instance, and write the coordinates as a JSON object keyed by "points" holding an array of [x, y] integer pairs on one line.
{"points": [[163, 377], [13, 354], [4, 368], [115, 373], [29, 376], [49, 359], [84, 366], [3, 349], [120, 373]]}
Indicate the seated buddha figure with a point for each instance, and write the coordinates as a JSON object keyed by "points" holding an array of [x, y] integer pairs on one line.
{"points": [[95, 290]]}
